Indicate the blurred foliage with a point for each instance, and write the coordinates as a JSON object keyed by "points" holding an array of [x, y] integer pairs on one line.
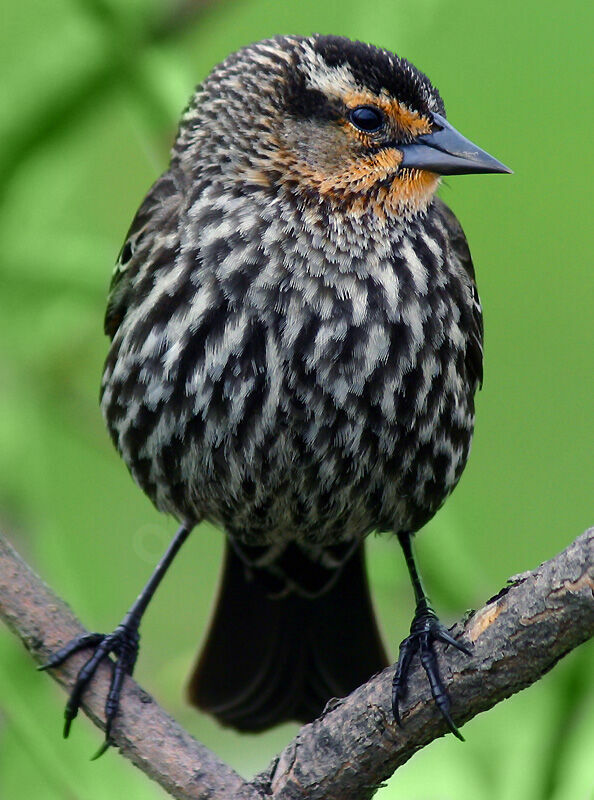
{"points": [[91, 91]]}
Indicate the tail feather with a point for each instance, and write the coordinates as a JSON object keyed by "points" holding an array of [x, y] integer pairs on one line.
{"points": [[269, 660]]}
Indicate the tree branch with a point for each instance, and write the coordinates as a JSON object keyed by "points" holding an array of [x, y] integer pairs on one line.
{"points": [[519, 635], [143, 732]]}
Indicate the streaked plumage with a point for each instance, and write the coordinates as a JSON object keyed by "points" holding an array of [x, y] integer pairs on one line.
{"points": [[283, 367], [297, 341]]}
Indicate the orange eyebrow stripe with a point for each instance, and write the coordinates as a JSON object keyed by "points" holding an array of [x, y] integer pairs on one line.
{"points": [[408, 120]]}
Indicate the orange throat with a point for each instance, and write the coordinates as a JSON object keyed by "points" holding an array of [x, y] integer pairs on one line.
{"points": [[373, 185]]}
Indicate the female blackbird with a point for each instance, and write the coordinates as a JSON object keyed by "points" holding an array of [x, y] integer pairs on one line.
{"points": [[296, 344]]}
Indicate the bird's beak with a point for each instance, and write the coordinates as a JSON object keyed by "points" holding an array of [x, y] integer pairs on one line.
{"points": [[447, 152]]}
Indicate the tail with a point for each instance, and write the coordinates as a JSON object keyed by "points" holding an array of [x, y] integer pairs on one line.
{"points": [[270, 660]]}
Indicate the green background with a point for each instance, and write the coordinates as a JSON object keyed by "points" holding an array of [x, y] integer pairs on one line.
{"points": [[90, 93]]}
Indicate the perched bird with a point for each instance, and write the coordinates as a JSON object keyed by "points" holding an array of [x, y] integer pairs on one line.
{"points": [[296, 344]]}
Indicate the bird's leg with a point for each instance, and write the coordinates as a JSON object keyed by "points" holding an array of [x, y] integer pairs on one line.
{"points": [[424, 631], [122, 643]]}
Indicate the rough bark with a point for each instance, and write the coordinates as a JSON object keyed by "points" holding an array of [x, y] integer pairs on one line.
{"points": [[517, 637]]}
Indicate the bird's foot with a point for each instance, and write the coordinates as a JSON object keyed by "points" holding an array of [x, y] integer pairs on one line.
{"points": [[426, 629], [123, 644]]}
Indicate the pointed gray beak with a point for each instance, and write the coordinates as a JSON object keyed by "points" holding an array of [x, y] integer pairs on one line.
{"points": [[447, 152]]}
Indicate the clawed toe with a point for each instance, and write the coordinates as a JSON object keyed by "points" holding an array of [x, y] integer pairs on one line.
{"points": [[426, 629], [123, 644]]}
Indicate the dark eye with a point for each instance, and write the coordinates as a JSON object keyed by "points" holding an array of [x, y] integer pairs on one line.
{"points": [[366, 118]]}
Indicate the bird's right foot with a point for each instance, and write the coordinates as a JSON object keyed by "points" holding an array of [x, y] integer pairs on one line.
{"points": [[123, 643]]}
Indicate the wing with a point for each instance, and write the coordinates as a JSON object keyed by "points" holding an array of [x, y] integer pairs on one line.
{"points": [[152, 238], [459, 246]]}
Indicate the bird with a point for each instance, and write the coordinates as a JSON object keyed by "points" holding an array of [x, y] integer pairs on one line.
{"points": [[296, 343]]}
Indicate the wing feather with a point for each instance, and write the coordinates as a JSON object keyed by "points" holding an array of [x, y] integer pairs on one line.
{"points": [[155, 220]]}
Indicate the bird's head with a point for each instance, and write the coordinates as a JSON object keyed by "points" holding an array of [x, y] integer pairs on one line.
{"points": [[331, 121]]}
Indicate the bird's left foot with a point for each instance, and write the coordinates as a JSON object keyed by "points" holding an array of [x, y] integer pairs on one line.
{"points": [[426, 629]]}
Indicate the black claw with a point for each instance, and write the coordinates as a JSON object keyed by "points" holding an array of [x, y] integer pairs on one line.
{"points": [[426, 629], [109, 717], [67, 724], [453, 728], [407, 650], [443, 635], [84, 677], [103, 749], [442, 701]]}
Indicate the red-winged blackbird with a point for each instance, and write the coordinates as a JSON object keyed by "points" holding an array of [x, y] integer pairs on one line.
{"points": [[297, 340]]}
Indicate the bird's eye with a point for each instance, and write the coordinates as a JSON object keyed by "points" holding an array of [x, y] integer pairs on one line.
{"points": [[366, 118]]}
